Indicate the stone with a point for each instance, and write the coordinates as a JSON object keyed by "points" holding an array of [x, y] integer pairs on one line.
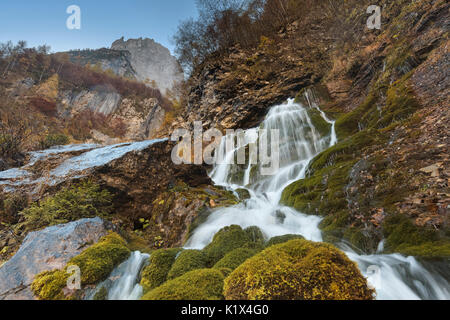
{"points": [[47, 250], [147, 58]]}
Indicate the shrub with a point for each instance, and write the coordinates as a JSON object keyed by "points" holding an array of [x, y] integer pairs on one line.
{"points": [[188, 260], [84, 200], [226, 240], [95, 263], [202, 284], [10, 207], [155, 274], [15, 129], [52, 140], [297, 270], [235, 258], [101, 294], [44, 105]]}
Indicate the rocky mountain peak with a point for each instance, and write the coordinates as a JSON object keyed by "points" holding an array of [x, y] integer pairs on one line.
{"points": [[151, 61]]}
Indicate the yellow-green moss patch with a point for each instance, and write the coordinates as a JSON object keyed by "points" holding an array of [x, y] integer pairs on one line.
{"points": [[95, 264], [99, 260], [235, 258], [228, 239], [156, 272], [282, 239], [404, 237], [188, 260], [202, 284], [298, 270]]}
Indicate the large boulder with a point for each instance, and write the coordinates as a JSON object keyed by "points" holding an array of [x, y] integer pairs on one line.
{"points": [[298, 270], [46, 250]]}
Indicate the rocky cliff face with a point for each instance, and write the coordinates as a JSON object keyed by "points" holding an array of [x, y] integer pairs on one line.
{"points": [[117, 61], [151, 62], [142, 118], [141, 59]]}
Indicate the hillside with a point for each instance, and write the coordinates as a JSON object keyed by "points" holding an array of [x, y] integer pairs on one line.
{"points": [[388, 91], [48, 100], [143, 60], [332, 185]]}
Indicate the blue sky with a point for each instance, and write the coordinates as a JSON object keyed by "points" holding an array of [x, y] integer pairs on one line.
{"points": [[102, 21]]}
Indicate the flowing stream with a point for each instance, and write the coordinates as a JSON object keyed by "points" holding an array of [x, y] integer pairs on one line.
{"points": [[393, 276]]}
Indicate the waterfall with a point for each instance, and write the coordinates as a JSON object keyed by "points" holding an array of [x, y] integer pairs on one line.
{"points": [[123, 283], [299, 142], [392, 276]]}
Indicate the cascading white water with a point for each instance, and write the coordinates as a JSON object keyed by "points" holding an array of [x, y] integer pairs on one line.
{"points": [[123, 283], [299, 142], [393, 276]]}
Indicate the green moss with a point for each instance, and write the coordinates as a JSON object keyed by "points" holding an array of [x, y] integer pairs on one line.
{"points": [[188, 260], [235, 258], [255, 236], [321, 193], [333, 226], [52, 140], [350, 123], [282, 239], [95, 264], [101, 294], [243, 194], [137, 243], [404, 237], [49, 285], [428, 250], [202, 284], [156, 272], [319, 123], [346, 150], [99, 260], [84, 200], [297, 270], [400, 103], [226, 240]]}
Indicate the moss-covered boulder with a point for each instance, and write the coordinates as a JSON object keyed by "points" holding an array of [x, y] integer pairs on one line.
{"points": [[156, 272], [282, 239], [95, 264], [298, 270], [49, 285], [228, 239], [202, 284], [235, 258], [188, 260], [98, 261], [255, 236]]}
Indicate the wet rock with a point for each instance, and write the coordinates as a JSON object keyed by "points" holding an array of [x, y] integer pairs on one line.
{"points": [[46, 250]]}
